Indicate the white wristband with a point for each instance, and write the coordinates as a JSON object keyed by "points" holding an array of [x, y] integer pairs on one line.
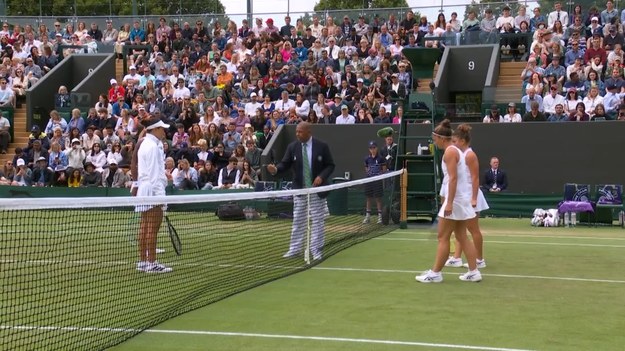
{"points": [[135, 185]]}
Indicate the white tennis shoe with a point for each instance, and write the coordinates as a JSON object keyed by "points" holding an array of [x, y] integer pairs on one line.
{"points": [[454, 262], [429, 277], [142, 265], [290, 254], [157, 268], [471, 276]]}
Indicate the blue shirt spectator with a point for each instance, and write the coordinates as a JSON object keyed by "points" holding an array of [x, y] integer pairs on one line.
{"points": [[118, 107], [572, 54], [536, 20], [532, 96], [137, 31], [302, 52]]}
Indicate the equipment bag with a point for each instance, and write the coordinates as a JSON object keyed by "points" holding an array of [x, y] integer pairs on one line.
{"points": [[230, 212]]}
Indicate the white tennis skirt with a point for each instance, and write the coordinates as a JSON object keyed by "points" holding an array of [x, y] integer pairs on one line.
{"points": [[147, 191], [461, 210], [482, 205]]}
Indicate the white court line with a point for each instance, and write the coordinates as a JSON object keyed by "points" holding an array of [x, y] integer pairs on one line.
{"points": [[347, 269], [512, 242], [520, 235], [318, 268], [268, 336]]}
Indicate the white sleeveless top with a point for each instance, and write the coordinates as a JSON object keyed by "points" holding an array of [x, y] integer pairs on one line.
{"points": [[482, 205], [464, 155], [463, 187], [461, 207]]}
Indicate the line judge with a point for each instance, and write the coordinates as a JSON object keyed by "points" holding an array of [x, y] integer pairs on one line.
{"points": [[312, 164]]}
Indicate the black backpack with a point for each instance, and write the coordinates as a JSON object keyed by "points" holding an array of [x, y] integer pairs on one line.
{"points": [[230, 212]]}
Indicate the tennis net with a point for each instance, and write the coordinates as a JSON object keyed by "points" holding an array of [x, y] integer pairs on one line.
{"points": [[68, 266]]}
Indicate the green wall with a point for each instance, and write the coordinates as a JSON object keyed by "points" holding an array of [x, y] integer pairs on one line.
{"points": [[538, 157]]}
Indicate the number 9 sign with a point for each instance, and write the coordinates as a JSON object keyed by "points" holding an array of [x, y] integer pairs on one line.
{"points": [[471, 65]]}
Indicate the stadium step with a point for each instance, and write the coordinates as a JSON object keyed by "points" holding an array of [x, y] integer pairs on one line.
{"points": [[424, 83], [119, 70], [20, 134], [509, 82]]}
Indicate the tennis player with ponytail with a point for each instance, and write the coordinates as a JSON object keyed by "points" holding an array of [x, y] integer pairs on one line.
{"points": [[462, 139], [456, 208]]}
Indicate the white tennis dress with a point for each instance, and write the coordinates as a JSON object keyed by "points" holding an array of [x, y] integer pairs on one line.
{"points": [[151, 170], [462, 209], [482, 205]]}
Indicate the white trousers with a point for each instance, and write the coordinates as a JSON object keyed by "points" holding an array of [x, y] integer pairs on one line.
{"points": [[300, 225]]}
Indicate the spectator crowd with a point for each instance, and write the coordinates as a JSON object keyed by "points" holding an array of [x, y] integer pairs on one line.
{"points": [[574, 68], [224, 90]]}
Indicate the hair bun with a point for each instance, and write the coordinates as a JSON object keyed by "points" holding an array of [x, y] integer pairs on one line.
{"points": [[446, 123], [464, 127]]}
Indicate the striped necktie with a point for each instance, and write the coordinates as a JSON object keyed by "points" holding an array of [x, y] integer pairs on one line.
{"points": [[307, 174]]}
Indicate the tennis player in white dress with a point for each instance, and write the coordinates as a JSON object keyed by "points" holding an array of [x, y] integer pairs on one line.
{"points": [[478, 201], [151, 181], [456, 209]]}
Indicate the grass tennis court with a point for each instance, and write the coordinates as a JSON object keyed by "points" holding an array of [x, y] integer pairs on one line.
{"points": [[543, 289], [70, 280]]}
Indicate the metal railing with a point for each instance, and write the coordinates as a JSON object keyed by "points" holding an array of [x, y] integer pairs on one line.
{"points": [[111, 11]]}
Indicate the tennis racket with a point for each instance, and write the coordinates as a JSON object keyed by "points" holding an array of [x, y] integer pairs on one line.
{"points": [[173, 235]]}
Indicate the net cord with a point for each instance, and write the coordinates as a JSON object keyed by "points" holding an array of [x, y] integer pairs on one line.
{"points": [[9, 204]]}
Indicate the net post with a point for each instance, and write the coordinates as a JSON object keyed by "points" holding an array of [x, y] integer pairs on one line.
{"points": [[307, 250], [403, 214]]}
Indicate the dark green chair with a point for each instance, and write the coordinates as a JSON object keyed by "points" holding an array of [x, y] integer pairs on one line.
{"points": [[608, 198]]}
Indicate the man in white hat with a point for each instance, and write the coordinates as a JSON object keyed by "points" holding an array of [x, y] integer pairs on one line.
{"points": [[132, 75], [250, 107], [115, 90], [23, 174], [113, 176], [345, 117], [75, 156], [151, 180], [92, 45]]}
